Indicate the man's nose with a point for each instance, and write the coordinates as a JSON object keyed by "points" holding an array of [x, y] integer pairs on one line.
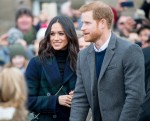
{"points": [[82, 27]]}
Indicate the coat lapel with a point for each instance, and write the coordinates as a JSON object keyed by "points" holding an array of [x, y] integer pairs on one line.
{"points": [[52, 72], [108, 55], [91, 64]]}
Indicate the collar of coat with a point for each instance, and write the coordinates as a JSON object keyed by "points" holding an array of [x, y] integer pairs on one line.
{"points": [[52, 73]]}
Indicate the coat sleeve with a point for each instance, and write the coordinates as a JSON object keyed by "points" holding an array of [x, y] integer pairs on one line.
{"points": [[42, 104], [133, 64], [80, 105]]}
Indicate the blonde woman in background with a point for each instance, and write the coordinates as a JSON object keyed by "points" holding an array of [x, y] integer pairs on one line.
{"points": [[13, 95]]}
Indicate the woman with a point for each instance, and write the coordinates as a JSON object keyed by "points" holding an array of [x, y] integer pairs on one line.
{"points": [[51, 76], [13, 95]]}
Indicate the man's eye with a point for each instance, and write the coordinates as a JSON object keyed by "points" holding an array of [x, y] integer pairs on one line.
{"points": [[61, 33], [87, 22]]}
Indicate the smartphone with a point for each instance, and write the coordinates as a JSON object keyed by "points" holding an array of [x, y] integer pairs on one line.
{"points": [[127, 4]]}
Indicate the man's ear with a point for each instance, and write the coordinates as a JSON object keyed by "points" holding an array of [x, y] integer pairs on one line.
{"points": [[101, 23]]}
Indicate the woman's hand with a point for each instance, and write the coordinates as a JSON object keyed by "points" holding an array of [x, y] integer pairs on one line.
{"points": [[65, 100]]}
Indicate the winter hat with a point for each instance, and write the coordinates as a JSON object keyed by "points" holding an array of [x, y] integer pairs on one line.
{"points": [[139, 14], [17, 49], [23, 11]]}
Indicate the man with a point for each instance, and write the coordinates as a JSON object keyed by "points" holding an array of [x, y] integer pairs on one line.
{"points": [[110, 72]]}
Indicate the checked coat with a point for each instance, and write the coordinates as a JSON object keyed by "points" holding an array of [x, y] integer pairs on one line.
{"points": [[45, 84]]}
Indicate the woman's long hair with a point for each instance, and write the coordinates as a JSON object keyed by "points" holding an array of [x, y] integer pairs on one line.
{"points": [[45, 48], [13, 90]]}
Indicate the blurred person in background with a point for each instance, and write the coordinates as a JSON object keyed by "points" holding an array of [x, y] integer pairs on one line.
{"points": [[133, 37], [74, 14], [4, 51], [24, 23], [145, 113], [24, 33], [36, 22], [110, 72], [13, 95], [24, 30], [140, 19], [18, 57], [144, 33], [125, 25], [146, 7], [51, 76], [82, 43], [119, 8], [146, 52], [44, 19]]}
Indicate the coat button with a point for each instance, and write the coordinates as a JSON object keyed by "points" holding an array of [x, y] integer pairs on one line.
{"points": [[48, 94]]}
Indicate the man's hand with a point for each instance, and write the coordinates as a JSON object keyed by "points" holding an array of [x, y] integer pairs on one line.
{"points": [[3, 39]]}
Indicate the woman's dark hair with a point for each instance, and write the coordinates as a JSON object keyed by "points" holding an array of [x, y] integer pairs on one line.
{"points": [[143, 28], [45, 48]]}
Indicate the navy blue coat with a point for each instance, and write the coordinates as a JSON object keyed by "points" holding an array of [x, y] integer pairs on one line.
{"points": [[44, 81]]}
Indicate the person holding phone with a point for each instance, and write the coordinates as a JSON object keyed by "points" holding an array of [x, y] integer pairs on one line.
{"points": [[51, 76], [122, 4]]}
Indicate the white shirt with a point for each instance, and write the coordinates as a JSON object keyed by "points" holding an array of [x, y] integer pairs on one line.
{"points": [[104, 46]]}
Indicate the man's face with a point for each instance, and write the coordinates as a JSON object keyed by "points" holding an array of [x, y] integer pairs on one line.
{"points": [[90, 27], [24, 23]]}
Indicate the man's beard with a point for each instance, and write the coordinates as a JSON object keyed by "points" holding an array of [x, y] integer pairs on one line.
{"points": [[94, 36]]}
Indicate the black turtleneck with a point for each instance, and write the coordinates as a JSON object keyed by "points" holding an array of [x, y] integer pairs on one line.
{"points": [[61, 57]]}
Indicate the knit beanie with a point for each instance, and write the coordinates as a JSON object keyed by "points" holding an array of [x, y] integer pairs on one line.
{"points": [[17, 49], [23, 11]]}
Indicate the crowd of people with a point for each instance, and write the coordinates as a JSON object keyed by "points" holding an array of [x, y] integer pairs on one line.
{"points": [[91, 64]]}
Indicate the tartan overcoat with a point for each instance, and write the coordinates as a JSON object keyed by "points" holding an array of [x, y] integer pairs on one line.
{"points": [[45, 84]]}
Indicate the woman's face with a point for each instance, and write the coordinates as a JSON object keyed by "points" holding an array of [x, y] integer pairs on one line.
{"points": [[58, 38], [143, 35]]}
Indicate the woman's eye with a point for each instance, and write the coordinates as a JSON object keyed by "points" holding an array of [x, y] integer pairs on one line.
{"points": [[61, 33], [52, 34]]}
